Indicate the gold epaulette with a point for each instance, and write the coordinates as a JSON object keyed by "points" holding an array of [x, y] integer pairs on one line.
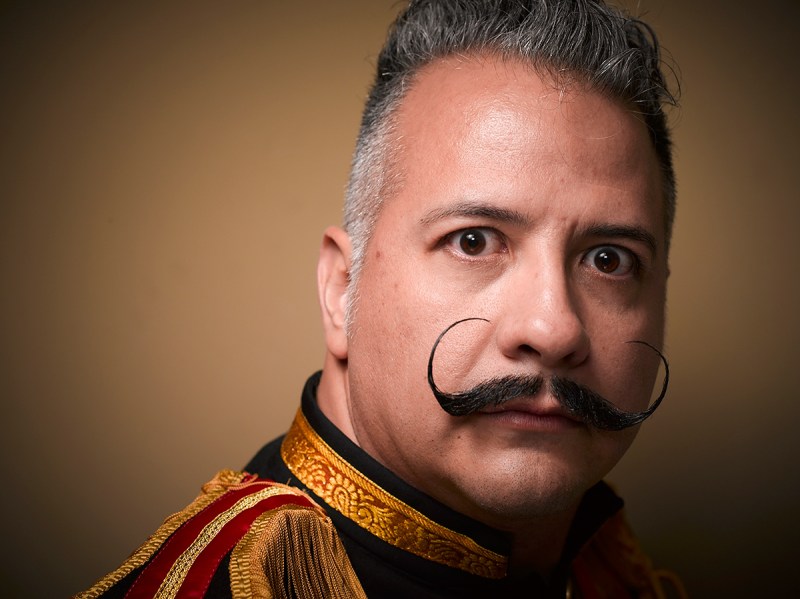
{"points": [[281, 545]]}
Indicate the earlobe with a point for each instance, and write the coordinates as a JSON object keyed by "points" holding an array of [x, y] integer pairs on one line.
{"points": [[333, 278]]}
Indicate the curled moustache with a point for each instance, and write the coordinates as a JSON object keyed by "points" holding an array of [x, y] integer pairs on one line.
{"points": [[582, 403]]}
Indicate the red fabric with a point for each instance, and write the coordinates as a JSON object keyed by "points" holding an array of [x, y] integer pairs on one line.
{"points": [[595, 582], [201, 572]]}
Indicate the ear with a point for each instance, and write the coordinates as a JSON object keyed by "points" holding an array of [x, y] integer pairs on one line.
{"points": [[333, 278]]}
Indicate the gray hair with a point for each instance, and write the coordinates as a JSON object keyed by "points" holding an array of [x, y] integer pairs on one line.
{"points": [[587, 40]]}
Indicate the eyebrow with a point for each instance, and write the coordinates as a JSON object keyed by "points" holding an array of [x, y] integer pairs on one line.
{"points": [[472, 209], [624, 231]]}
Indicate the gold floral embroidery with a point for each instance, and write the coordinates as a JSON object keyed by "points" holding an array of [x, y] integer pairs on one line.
{"points": [[352, 494]]}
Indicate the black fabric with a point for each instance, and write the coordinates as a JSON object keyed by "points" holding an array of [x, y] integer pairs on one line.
{"points": [[388, 572]]}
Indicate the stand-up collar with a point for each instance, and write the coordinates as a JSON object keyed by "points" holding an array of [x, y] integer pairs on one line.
{"points": [[355, 486]]}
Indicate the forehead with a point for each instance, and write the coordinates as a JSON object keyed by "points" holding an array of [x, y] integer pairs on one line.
{"points": [[499, 123], [503, 103]]}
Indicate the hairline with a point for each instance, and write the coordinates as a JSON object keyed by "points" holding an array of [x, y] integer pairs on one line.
{"points": [[389, 146]]}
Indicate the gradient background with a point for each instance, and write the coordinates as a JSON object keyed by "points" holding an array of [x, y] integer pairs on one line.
{"points": [[166, 172]]}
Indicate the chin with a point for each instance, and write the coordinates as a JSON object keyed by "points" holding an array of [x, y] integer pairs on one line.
{"points": [[501, 497], [543, 499]]}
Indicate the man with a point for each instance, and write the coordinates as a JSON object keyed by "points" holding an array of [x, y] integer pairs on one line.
{"points": [[502, 268]]}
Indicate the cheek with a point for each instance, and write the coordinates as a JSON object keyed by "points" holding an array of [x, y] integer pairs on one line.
{"points": [[632, 373], [387, 339], [613, 446], [465, 355], [626, 373], [402, 301], [611, 324]]}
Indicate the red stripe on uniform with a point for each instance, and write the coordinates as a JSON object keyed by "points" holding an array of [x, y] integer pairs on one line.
{"points": [[149, 581]]}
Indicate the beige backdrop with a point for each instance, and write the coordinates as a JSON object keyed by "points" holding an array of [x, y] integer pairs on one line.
{"points": [[165, 176]]}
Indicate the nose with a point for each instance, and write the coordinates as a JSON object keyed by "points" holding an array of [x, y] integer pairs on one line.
{"points": [[540, 320]]}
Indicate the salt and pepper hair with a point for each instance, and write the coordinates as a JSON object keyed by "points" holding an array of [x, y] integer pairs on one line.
{"points": [[585, 41]]}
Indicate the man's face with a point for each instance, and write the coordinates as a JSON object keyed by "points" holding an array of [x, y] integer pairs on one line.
{"points": [[540, 210]]}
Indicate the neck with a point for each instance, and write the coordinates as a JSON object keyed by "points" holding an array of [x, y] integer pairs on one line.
{"points": [[332, 395]]}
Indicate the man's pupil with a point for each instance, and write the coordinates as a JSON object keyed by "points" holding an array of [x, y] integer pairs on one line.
{"points": [[607, 261], [473, 242]]}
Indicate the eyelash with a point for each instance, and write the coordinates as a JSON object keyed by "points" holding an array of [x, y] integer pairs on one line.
{"points": [[635, 268], [627, 259], [487, 236]]}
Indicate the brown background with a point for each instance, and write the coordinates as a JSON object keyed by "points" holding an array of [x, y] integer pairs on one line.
{"points": [[165, 175]]}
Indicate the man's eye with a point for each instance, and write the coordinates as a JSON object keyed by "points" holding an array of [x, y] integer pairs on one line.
{"points": [[475, 242], [611, 260]]}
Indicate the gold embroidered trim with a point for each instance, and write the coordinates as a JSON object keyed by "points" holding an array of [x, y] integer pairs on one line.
{"points": [[224, 480], [352, 494], [177, 574]]}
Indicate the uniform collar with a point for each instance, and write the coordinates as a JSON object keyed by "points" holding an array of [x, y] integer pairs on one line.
{"points": [[373, 502]]}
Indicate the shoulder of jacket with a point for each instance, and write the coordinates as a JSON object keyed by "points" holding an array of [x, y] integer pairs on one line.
{"points": [[612, 565], [185, 551]]}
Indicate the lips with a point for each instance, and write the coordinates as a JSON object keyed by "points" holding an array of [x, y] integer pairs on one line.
{"points": [[538, 412]]}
